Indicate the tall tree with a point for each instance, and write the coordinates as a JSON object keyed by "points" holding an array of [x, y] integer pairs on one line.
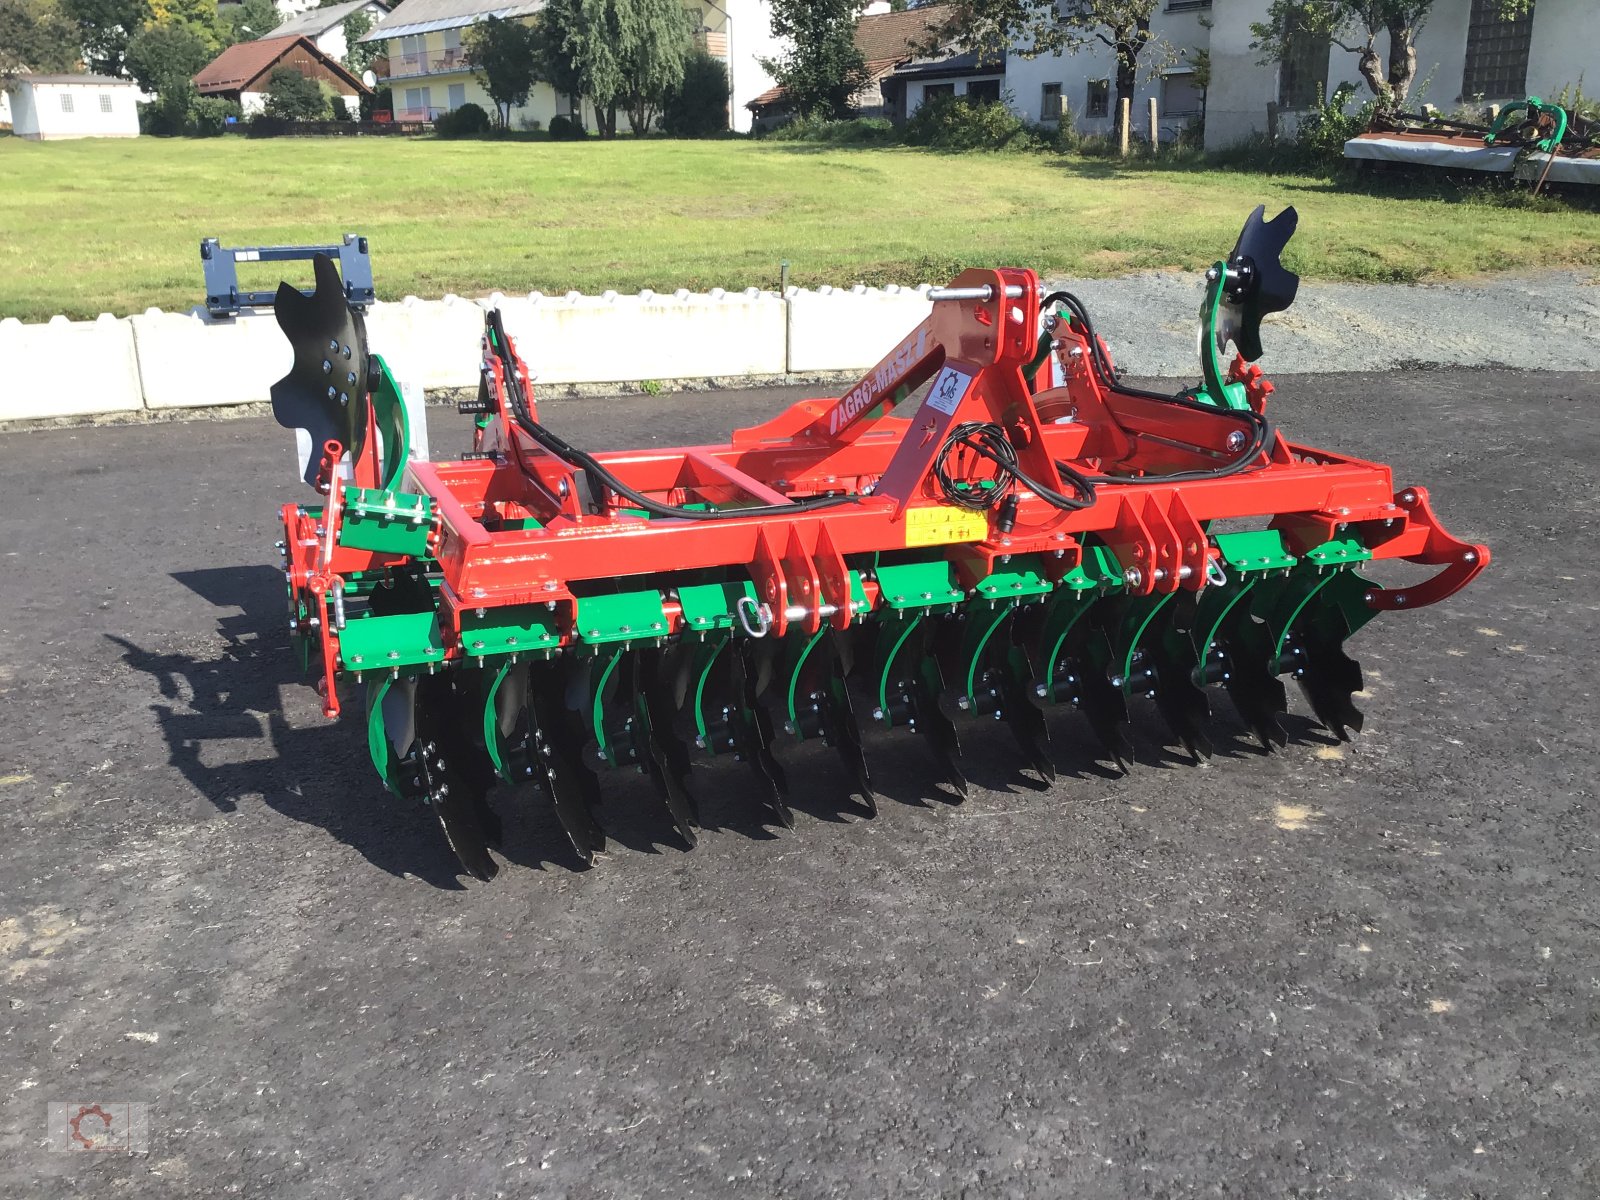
{"points": [[656, 41], [552, 63], [358, 55], [501, 54], [253, 19], [35, 36], [104, 29], [822, 67], [162, 57], [1355, 26], [1031, 28]]}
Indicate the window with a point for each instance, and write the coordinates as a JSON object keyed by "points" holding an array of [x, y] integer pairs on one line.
{"points": [[1180, 95], [1303, 71], [932, 91], [1099, 102], [66, 101], [984, 91], [419, 103], [1497, 52], [458, 95], [1187, 5], [105, 101], [1050, 102]]}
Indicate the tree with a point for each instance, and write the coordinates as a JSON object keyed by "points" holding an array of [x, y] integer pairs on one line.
{"points": [[654, 51], [162, 57], [552, 63], [1032, 28], [581, 47], [698, 107], [358, 55], [254, 19], [293, 97], [823, 66], [1354, 26], [501, 54], [104, 28], [35, 36], [198, 16]]}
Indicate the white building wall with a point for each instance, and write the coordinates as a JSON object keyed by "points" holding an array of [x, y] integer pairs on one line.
{"points": [[98, 110], [750, 39], [1566, 46]]}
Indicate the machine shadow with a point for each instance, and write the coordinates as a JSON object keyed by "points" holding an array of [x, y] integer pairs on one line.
{"points": [[231, 734]]}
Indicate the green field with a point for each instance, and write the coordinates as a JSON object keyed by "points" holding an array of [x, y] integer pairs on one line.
{"points": [[106, 226]]}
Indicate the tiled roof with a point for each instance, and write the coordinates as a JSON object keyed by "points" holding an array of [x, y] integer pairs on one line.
{"points": [[243, 62], [100, 80], [885, 40]]}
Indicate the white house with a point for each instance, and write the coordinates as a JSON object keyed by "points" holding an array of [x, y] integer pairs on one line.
{"points": [[429, 75], [52, 107], [325, 26], [1465, 53]]}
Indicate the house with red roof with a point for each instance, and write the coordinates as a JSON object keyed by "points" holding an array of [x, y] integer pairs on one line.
{"points": [[243, 72]]}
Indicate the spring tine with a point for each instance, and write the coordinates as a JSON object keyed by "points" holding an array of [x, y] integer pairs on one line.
{"points": [[666, 758], [442, 762], [752, 725]]}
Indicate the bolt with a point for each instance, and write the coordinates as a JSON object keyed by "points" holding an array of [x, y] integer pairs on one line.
{"points": [[1236, 440], [1040, 690], [1408, 497], [1400, 599], [963, 703], [877, 714], [1133, 576], [1470, 556]]}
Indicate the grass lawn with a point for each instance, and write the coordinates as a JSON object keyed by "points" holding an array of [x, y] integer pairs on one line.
{"points": [[109, 226]]}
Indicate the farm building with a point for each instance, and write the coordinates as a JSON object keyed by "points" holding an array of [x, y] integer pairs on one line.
{"points": [[51, 107], [242, 72]]}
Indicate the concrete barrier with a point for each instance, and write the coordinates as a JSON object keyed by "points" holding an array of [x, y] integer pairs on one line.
{"points": [[167, 360], [187, 360], [614, 339], [851, 329], [67, 368]]}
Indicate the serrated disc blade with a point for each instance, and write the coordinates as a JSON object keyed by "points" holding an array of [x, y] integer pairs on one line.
{"points": [[325, 391]]}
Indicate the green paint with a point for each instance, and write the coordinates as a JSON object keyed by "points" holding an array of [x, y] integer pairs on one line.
{"points": [[621, 617], [394, 425], [491, 722], [378, 747], [511, 629], [710, 606], [1019, 579], [926, 584], [386, 522], [400, 641], [1255, 550]]}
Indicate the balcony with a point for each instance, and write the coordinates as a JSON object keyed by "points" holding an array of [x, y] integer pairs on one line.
{"points": [[426, 62]]}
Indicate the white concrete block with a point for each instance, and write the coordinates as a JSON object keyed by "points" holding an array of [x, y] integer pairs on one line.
{"points": [[833, 330], [434, 343], [593, 339], [67, 368], [187, 360]]}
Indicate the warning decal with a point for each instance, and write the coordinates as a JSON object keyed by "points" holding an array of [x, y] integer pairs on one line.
{"points": [[943, 524]]}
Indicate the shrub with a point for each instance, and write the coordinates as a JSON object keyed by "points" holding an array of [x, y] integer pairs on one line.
{"points": [[470, 120], [956, 123], [1323, 131], [208, 115], [565, 129], [858, 131], [293, 97], [698, 107]]}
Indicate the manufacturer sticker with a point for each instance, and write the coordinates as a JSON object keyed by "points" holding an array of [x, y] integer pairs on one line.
{"points": [[945, 523], [947, 390]]}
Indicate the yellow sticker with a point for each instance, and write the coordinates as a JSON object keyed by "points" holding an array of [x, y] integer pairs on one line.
{"points": [[943, 524]]}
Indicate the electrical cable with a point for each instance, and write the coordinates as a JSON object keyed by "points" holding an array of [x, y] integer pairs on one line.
{"points": [[989, 441], [1261, 428], [574, 457]]}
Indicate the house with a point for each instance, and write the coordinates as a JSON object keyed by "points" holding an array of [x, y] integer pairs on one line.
{"points": [[325, 26], [243, 72], [52, 107], [1465, 53], [429, 75], [887, 40]]}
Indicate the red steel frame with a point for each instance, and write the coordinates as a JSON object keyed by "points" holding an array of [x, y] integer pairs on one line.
{"points": [[851, 444]]}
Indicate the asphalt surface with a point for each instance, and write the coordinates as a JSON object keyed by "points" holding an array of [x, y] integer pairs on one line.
{"points": [[1341, 971]]}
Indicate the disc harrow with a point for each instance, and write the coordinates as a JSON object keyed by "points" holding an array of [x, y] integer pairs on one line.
{"points": [[989, 524]]}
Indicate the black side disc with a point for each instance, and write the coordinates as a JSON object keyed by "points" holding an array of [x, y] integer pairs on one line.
{"points": [[456, 789], [1258, 283], [325, 392]]}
